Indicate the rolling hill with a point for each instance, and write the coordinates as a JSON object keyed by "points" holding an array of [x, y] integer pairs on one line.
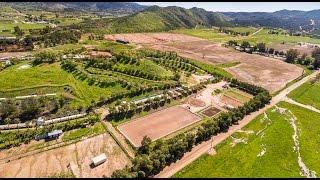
{"points": [[125, 7], [155, 18], [287, 19]]}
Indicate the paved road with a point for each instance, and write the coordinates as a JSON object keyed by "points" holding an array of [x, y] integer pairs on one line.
{"points": [[204, 147]]}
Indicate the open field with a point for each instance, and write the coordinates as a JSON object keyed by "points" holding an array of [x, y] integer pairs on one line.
{"points": [[158, 124], [54, 161], [263, 71], [308, 93], [262, 36], [152, 38], [257, 150]]}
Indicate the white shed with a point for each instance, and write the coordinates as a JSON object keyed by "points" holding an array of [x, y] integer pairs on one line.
{"points": [[40, 121], [99, 159]]}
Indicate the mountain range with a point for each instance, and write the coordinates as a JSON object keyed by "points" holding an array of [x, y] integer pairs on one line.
{"points": [[155, 18]]}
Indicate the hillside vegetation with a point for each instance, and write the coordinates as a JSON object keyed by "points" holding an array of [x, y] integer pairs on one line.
{"points": [[155, 19]]}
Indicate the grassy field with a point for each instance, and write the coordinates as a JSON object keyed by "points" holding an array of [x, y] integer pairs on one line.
{"points": [[243, 29], [209, 34], [97, 128], [273, 134], [308, 93], [238, 94], [262, 36], [48, 75], [9, 25]]}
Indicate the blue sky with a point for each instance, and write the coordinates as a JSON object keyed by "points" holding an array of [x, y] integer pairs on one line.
{"points": [[241, 6]]}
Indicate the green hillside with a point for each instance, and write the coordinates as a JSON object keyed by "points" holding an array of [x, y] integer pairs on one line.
{"points": [[154, 19]]}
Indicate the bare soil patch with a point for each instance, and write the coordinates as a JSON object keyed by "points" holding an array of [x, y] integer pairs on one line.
{"points": [[269, 73], [151, 38], [100, 54], [196, 102], [230, 101], [56, 160], [158, 124], [14, 54], [211, 111], [301, 49]]}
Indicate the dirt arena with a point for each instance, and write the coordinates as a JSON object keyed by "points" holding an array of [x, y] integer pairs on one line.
{"points": [[158, 124], [47, 163], [211, 111], [230, 101], [267, 72], [196, 102]]}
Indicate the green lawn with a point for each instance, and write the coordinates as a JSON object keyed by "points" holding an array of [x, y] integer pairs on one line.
{"points": [[97, 128], [48, 75], [279, 159], [307, 93]]}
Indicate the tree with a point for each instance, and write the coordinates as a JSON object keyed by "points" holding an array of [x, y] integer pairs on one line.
{"points": [[145, 143], [245, 44], [292, 54], [316, 52], [302, 58], [18, 32], [261, 47], [271, 51], [316, 63]]}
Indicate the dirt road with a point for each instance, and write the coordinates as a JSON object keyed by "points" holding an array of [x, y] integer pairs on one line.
{"points": [[204, 147], [302, 105]]}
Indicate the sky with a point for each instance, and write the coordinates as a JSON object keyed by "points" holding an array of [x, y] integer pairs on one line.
{"points": [[241, 6]]}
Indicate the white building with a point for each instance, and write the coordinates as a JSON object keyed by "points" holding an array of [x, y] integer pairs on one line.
{"points": [[96, 161], [40, 121]]}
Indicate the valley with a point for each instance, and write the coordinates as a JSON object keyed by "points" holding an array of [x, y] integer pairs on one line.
{"points": [[126, 90]]}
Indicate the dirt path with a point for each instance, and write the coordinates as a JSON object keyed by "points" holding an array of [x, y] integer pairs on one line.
{"points": [[118, 137], [204, 147], [302, 105], [256, 32]]}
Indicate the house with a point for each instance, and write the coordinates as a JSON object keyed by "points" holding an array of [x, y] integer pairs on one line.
{"points": [[99, 159], [40, 121], [54, 134]]}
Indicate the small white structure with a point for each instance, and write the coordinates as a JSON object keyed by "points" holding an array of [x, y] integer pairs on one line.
{"points": [[8, 62], [54, 134], [96, 161], [40, 121]]}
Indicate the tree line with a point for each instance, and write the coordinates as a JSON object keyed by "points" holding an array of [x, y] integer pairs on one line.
{"points": [[10, 139]]}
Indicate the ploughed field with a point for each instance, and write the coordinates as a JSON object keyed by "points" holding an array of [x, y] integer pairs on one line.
{"points": [[54, 161], [158, 124], [267, 72], [269, 146]]}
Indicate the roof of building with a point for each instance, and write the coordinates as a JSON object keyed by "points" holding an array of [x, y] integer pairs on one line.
{"points": [[55, 132], [99, 158]]}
